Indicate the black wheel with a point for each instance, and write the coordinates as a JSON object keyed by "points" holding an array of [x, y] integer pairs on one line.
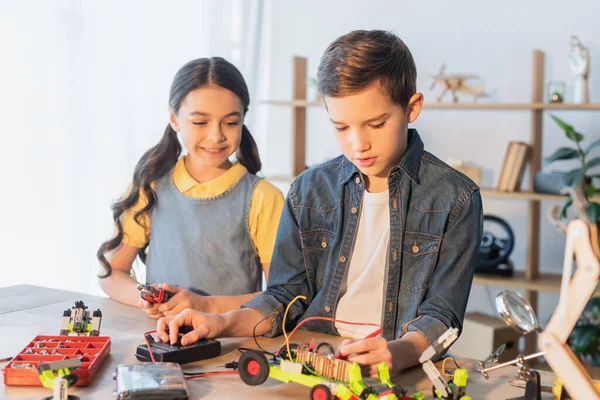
{"points": [[254, 368], [320, 392]]}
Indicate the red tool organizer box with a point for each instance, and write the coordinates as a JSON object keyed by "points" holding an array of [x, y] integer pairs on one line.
{"points": [[92, 350]]}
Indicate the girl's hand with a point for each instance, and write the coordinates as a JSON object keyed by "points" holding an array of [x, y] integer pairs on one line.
{"points": [[369, 353], [182, 299], [205, 326]]}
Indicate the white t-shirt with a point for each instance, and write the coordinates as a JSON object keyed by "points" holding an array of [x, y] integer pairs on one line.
{"points": [[363, 300]]}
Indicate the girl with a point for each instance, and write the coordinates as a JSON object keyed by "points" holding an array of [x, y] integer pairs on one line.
{"points": [[209, 224]]}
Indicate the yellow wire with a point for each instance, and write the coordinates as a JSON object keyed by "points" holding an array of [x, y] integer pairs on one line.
{"points": [[287, 341]]}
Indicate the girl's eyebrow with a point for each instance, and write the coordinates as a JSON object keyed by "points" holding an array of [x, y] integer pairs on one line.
{"points": [[204, 114]]}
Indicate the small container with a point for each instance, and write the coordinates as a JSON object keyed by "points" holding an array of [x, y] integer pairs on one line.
{"points": [[556, 92]]}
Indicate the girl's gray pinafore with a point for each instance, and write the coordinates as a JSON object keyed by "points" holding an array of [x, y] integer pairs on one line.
{"points": [[204, 244]]}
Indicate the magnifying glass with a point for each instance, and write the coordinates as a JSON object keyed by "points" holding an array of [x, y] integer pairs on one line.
{"points": [[517, 312]]}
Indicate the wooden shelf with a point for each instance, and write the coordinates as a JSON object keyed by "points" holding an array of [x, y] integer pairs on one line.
{"points": [[595, 106], [479, 106], [458, 106], [545, 282], [528, 196]]}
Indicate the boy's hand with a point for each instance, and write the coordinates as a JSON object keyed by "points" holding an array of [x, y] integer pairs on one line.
{"points": [[182, 299], [368, 353], [205, 326]]}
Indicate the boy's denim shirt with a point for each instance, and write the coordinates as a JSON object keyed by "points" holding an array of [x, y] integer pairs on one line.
{"points": [[435, 232]]}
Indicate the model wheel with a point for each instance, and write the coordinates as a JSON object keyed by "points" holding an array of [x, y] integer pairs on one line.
{"points": [[254, 368], [320, 392]]}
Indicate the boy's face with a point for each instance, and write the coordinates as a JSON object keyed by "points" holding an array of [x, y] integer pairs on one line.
{"points": [[372, 131]]}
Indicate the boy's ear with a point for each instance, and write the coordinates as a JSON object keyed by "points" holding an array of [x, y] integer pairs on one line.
{"points": [[173, 120], [415, 105]]}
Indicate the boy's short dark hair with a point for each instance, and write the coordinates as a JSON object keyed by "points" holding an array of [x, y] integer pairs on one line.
{"points": [[359, 58]]}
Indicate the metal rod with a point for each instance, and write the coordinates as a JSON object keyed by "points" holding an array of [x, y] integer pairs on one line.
{"points": [[516, 360]]}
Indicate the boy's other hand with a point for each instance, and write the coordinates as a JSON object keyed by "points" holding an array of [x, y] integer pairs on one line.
{"points": [[368, 353], [182, 299], [205, 326]]}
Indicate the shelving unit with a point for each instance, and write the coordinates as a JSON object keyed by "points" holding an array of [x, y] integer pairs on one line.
{"points": [[531, 279]]}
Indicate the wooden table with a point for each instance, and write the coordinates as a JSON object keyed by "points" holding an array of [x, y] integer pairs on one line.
{"points": [[27, 311]]}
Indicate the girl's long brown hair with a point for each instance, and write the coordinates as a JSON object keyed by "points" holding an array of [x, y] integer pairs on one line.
{"points": [[160, 159]]}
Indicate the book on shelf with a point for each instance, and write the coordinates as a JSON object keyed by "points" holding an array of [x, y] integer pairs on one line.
{"points": [[513, 169]]}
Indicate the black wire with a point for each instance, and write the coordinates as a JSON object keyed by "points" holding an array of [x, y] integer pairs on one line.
{"points": [[254, 334], [245, 349], [329, 347]]}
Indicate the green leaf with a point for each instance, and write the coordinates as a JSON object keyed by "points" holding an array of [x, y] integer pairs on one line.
{"points": [[591, 146], [596, 310], [575, 136], [565, 207], [574, 176], [593, 162], [593, 212], [582, 338], [589, 190], [563, 153], [565, 127]]}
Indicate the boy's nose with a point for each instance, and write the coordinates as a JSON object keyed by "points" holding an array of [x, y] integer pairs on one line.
{"points": [[360, 143]]}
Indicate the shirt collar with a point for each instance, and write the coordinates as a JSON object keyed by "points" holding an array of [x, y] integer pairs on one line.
{"points": [[186, 183]]}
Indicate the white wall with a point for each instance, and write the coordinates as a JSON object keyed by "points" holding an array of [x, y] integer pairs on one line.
{"points": [[471, 37], [84, 92]]}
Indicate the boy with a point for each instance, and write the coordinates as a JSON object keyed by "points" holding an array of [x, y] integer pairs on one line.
{"points": [[384, 234]]}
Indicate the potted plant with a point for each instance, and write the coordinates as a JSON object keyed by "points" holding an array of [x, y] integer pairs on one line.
{"points": [[585, 338], [581, 175]]}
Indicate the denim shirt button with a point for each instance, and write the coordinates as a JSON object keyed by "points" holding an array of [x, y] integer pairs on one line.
{"points": [[342, 259], [354, 210], [327, 308], [357, 180], [415, 248]]}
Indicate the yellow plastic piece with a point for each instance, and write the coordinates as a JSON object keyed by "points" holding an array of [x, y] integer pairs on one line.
{"points": [[466, 398], [460, 377], [343, 392], [356, 384], [383, 373], [47, 377], [285, 377]]}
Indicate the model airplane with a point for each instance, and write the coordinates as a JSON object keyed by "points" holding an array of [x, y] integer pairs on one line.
{"points": [[457, 83]]}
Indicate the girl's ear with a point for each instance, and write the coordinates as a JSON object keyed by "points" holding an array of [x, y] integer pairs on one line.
{"points": [[173, 120]]}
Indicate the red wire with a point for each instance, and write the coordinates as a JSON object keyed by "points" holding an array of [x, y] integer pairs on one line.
{"points": [[202, 375], [148, 345], [375, 333]]}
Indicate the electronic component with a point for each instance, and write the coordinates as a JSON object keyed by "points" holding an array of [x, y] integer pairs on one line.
{"points": [[163, 381], [176, 353], [153, 294]]}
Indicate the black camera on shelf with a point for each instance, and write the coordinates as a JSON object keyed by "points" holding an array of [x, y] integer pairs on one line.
{"points": [[495, 247]]}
